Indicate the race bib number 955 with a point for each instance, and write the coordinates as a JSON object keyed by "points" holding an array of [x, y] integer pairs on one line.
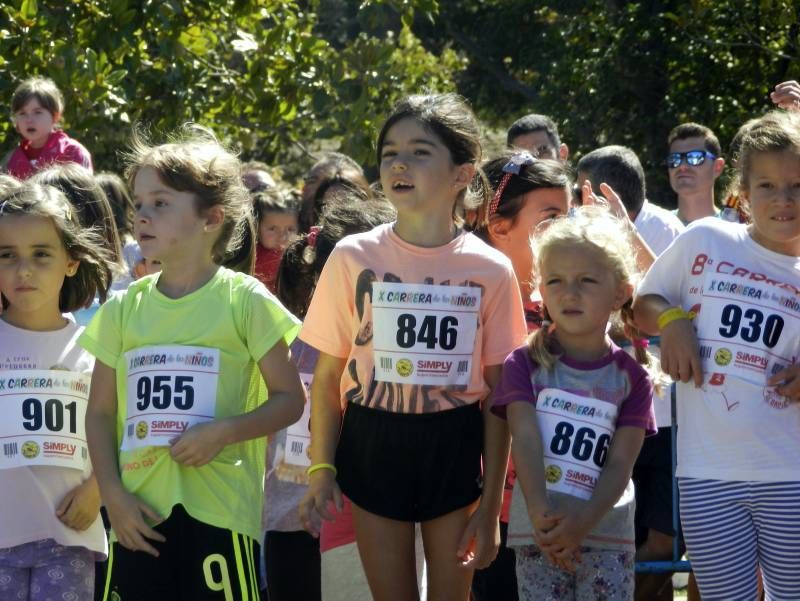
{"points": [[44, 412], [424, 334], [169, 389]]}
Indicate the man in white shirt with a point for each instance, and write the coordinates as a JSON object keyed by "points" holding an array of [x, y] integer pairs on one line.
{"points": [[694, 164]]}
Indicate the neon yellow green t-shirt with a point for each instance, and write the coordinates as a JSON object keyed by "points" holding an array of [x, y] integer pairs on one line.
{"points": [[234, 320]]}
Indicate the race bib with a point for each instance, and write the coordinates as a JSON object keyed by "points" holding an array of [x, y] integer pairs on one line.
{"points": [[576, 433], [298, 435], [44, 416], [170, 388], [424, 334], [746, 330]]}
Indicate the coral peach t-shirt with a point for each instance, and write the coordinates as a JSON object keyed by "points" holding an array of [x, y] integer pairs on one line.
{"points": [[416, 325]]}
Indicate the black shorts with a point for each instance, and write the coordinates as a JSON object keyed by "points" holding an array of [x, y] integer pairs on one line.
{"points": [[410, 467], [652, 477], [197, 562], [293, 565]]}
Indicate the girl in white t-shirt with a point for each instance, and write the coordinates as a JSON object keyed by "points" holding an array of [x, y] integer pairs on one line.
{"points": [[50, 527], [725, 299]]}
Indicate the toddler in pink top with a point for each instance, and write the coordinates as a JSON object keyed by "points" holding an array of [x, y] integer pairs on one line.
{"points": [[37, 106]]}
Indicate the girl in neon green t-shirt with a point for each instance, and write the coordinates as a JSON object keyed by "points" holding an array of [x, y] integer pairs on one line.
{"points": [[177, 421]]}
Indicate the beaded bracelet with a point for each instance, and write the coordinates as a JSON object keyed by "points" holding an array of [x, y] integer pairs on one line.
{"points": [[322, 466], [670, 315]]}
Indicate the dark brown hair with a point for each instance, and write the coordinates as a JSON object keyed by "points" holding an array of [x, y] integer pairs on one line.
{"points": [[42, 89], [82, 190], [449, 118], [695, 130], [542, 174], [304, 258], [119, 197], [82, 244]]}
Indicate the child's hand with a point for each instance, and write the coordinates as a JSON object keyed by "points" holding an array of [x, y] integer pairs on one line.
{"points": [[787, 382], [481, 540], [610, 199], [787, 95], [322, 490], [544, 520], [80, 507], [127, 514], [199, 444], [564, 540], [679, 355]]}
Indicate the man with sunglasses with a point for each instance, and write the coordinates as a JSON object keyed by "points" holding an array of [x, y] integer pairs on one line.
{"points": [[694, 164]]}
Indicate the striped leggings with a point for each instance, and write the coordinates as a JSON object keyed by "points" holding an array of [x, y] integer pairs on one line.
{"points": [[733, 528]]}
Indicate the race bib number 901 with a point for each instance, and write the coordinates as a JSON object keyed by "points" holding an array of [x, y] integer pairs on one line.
{"points": [[44, 412], [576, 433], [424, 334], [169, 389]]}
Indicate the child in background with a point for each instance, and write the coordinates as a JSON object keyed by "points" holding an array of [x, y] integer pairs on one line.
{"points": [[50, 527], [725, 299], [177, 418], [36, 108], [528, 192], [119, 198], [292, 555], [412, 321], [578, 408], [334, 166], [276, 214], [92, 206], [93, 211], [256, 177]]}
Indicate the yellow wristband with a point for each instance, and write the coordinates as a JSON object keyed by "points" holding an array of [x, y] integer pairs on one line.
{"points": [[322, 466], [670, 315]]}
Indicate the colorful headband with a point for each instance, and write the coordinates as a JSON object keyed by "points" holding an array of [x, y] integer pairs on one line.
{"points": [[640, 343], [515, 164]]}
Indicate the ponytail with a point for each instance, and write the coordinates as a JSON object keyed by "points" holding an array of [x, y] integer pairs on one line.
{"points": [[640, 343], [241, 257], [542, 346]]}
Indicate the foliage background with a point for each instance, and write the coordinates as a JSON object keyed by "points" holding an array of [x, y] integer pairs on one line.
{"points": [[278, 78]]}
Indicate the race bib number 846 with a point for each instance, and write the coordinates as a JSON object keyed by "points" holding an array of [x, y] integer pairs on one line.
{"points": [[424, 334]]}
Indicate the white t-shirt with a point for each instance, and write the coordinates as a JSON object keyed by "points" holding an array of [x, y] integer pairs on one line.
{"points": [[748, 297], [658, 227], [30, 495]]}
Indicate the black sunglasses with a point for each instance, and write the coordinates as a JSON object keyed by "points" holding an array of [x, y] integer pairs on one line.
{"points": [[693, 158]]}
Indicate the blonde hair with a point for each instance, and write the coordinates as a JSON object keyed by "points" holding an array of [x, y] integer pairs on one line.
{"points": [[611, 239]]}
